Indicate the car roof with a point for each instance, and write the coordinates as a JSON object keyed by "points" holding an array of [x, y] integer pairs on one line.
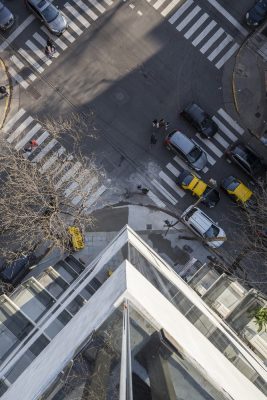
{"points": [[195, 111], [40, 4], [200, 221], [182, 142]]}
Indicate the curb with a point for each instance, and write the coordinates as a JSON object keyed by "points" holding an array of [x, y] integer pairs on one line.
{"points": [[8, 98]]}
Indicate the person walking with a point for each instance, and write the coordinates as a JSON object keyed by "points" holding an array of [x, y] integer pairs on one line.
{"points": [[32, 145], [155, 123], [162, 123], [143, 190], [166, 125], [50, 48], [153, 140], [3, 91]]}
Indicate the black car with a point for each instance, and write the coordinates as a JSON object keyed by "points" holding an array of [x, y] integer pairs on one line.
{"points": [[14, 272], [200, 120], [257, 13], [187, 149], [247, 159]]}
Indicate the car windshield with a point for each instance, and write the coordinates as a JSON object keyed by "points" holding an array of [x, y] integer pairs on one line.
{"points": [[233, 185], [194, 154], [49, 13], [212, 232], [187, 180]]}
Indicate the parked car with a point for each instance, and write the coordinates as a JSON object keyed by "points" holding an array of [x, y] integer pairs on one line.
{"points": [[203, 226], [49, 15], [257, 13], [237, 190], [247, 159], [189, 181], [14, 272], [200, 120], [6, 17], [187, 149]]}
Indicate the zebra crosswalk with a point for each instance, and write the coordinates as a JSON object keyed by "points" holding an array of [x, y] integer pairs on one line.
{"points": [[80, 14], [199, 28], [78, 184], [229, 132]]}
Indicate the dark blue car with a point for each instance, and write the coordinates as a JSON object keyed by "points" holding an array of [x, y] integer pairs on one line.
{"points": [[257, 13], [14, 272]]}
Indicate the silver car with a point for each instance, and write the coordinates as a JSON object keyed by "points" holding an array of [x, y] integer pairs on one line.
{"points": [[6, 18], [49, 15]]}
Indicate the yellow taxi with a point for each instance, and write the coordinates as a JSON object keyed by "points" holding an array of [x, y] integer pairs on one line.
{"points": [[189, 181], [76, 238], [237, 190]]}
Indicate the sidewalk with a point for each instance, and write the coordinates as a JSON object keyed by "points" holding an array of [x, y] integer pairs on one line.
{"points": [[249, 81], [4, 101]]}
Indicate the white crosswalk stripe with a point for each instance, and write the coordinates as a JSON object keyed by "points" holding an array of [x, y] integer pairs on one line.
{"points": [[224, 129], [73, 26], [28, 137], [221, 140], [196, 26], [185, 13], [19, 130], [204, 33], [42, 138], [48, 163], [95, 196], [45, 150], [13, 120], [226, 56], [69, 174], [171, 183], [17, 62], [188, 18], [31, 60], [164, 192], [221, 46], [77, 15], [231, 121], [86, 189], [38, 52], [97, 5], [212, 40], [178, 13], [183, 165], [210, 145], [155, 199], [18, 78], [87, 10]]}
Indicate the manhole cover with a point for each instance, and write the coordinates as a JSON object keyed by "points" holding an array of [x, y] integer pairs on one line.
{"points": [[120, 96]]}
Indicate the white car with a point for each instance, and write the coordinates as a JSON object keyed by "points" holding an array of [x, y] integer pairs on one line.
{"points": [[204, 226]]}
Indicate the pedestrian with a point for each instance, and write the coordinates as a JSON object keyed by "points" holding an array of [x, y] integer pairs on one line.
{"points": [[161, 123], [143, 190], [3, 91], [155, 123], [50, 48], [153, 139], [32, 145], [166, 125]]}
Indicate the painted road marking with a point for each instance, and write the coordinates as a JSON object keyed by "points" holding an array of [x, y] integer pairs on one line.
{"points": [[31, 61], [228, 16], [196, 25], [18, 78], [16, 33], [224, 129], [171, 183], [18, 131], [231, 121], [219, 48], [188, 18], [204, 33], [178, 13], [70, 173], [28, 136], [94, 197], [211, 40], [13, 120], [156, 200], [52, 159], [227, 55], [87, 10], [164, 192], [210, 145], [77, 15], [38, 52]]}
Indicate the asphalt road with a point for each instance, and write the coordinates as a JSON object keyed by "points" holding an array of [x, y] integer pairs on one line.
{"points": [[130, 66]]}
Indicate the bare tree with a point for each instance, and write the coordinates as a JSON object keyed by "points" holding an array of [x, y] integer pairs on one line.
{"points": [[40, 200]]}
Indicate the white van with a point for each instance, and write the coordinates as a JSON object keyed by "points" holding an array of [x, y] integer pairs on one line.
{"points": [[204, 226]]}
